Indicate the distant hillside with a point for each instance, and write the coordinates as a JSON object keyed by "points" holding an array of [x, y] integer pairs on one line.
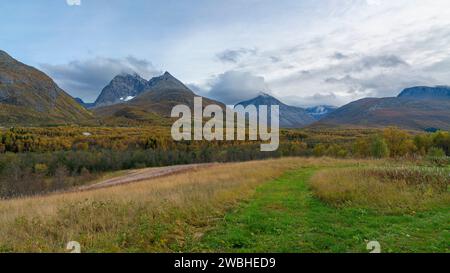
{"points": [[424, 92], [417, 108], [30, 97], [86, 105], [290, 116], [154, 104], [320, 111]]}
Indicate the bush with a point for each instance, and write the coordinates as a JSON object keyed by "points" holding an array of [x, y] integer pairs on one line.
{"points": [[379, 148], [436, 152], [40, 168]]}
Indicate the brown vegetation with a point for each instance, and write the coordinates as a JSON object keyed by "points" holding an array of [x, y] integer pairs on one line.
{"points": [[387, 189], [161, 215]]}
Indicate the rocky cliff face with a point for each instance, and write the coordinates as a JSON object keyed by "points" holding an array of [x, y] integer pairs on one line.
{"points": [[122, 88]]}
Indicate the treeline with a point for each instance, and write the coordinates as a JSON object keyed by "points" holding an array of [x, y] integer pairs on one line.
{"points": [[32, 173], [48, 159], [21, 140], [391, 142]]}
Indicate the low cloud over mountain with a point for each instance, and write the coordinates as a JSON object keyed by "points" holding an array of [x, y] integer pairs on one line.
{"points": [[234, 86]]}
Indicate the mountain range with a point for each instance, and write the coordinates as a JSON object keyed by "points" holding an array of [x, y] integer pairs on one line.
{"points": [[417, 108], [28, 97], [153, 102], [290, 116]]}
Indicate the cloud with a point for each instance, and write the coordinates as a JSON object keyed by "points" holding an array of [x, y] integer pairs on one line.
{"points": [[234, 55], [351, 78], [232, 87], [384, 61], [87, 78], [73, 2], [339, 56], [303, 50], [314, 100], [275, 59]]}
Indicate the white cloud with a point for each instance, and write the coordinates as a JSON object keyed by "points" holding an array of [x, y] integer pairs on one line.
{"points": [[343, 50], [232, 87], [73, 2], [306, 51]]}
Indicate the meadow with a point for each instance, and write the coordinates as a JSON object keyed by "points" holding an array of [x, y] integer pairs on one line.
{"points": [[290, 204], [323, 190]]}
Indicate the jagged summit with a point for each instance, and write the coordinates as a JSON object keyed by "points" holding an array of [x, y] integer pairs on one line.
{"points": [[127, 86], [158, 97], [166, 81], [120, 88]]}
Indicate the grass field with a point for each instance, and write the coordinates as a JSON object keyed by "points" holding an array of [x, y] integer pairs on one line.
{"points": [[284, 216], [261, 206]]}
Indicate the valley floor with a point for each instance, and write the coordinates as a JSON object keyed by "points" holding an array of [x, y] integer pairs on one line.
{"points": [[260, 206]]}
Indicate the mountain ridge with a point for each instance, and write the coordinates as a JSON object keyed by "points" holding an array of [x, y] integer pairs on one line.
{"points": [[30, 97], [416, 108], [426, 92], [290, 116], [154, 105]]}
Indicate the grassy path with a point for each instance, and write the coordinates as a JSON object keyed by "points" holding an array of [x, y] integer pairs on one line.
{"points": [[283, 216]]}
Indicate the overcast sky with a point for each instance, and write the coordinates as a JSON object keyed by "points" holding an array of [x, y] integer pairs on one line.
{"points": [[305, 52]]}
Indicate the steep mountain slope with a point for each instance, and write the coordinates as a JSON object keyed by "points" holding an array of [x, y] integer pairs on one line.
{"points": [[122, 88], [30, 97], [154, 104], [290, 116], [415, 108], [320, 111]]}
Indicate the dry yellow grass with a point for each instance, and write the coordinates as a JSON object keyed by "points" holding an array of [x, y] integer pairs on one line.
{"points": [[386, 189], [163, 214]]}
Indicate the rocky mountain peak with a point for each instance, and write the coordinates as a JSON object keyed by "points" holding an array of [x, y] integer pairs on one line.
{"points": [[166, 82], [122, 87]]}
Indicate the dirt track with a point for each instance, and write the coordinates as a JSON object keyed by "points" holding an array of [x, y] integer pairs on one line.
{"points": [[143, 174]]}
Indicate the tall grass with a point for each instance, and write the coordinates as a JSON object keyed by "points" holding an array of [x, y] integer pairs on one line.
{"points": [[389, 190], [162, 215]]}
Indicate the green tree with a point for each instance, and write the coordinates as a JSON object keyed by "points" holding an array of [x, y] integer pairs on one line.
{"points": [[379, 147]]}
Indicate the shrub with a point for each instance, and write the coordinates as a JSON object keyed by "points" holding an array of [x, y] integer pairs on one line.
{"points": [[379, 148], [436, 152], [40, 168]]}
